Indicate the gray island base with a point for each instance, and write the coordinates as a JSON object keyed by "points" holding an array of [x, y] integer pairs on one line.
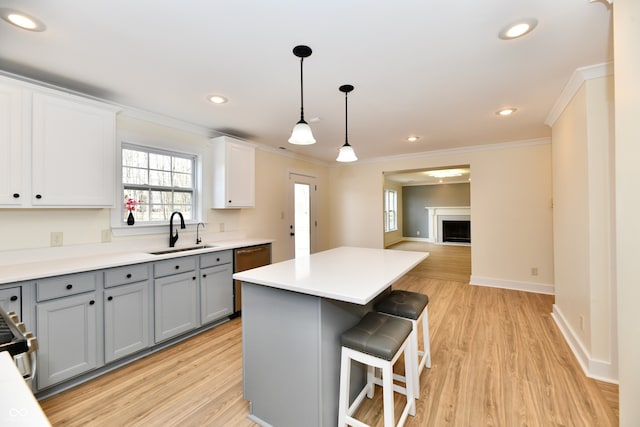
{"points": [[291, 332]]}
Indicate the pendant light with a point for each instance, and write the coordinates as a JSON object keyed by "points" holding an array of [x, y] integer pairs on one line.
{"points": [[346, 153], [301, 134]]}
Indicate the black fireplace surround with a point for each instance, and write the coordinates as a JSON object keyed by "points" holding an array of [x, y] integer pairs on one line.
{"points": [[456, 231]]}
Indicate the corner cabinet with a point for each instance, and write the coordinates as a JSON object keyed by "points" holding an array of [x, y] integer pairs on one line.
{"points": [[233, 173], [59, 149]]}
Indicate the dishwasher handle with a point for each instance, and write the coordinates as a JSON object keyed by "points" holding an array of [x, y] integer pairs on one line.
{"points": [[250, 250]]}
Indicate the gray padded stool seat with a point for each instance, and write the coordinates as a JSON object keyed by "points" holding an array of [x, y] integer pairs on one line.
{"points": [[377, 341], [411, 306], [378, 335]]}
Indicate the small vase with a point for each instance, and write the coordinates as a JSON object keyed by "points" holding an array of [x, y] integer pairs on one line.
{"points": [[130, 219]]}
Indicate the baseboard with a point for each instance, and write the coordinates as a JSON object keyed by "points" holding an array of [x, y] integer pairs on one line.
{"points": [[417, 239], [592, 368], [538, 288]]}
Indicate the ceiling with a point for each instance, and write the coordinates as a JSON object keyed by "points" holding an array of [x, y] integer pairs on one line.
{"points": [[436, 69]]}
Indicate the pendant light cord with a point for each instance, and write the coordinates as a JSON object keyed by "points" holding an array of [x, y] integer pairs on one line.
{"points": [[301, 92], [346, 119]]}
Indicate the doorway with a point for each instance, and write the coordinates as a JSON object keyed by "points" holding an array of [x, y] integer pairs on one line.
{"points": [[302, 214]]}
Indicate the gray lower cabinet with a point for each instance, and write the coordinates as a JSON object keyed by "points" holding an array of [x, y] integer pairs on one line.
{"points": [[126, 320], [10, 300], [176, 305], [67, 337], [216, 292]]}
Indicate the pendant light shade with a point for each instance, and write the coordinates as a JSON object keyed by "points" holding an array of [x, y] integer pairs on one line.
{"points": [[301, 134], [346, 153]]}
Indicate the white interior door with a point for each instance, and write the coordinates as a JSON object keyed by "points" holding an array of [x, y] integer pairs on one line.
{"points": [[302, 214]]}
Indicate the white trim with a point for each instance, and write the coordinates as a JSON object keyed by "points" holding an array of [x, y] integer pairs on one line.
{"points": [[597, 369], [578, 77], [538, 288]]}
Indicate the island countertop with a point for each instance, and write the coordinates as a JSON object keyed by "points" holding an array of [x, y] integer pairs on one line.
{"points": [[349, 274]]}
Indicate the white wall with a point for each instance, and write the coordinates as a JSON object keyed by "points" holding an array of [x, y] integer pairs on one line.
{"points": [[626, 19], [582, 150], [510, 206], [269, 218]]}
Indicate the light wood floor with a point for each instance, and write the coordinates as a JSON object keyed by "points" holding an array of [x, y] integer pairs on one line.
{"points": [[497, 360]]}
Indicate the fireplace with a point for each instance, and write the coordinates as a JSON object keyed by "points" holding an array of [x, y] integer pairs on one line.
{"points": [[456, 231], [437, 215]]}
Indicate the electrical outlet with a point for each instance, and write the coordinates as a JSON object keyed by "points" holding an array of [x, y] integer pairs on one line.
{"points": [[534, 271], [418, 232], [581, 322], [221, 227], [106, 236], [56, 238]]}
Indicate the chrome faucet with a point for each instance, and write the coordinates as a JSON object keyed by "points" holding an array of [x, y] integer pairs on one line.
{"points": [[198, 239], [174, 238]]}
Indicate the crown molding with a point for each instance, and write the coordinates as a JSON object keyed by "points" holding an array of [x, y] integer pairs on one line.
{"points": [[578, 77], [449, 151]]}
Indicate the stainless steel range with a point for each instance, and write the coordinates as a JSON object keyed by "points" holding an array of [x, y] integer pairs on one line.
{"points": [[20, 344]]}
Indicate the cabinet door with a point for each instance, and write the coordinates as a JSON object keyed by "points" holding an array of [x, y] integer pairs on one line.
{"points": [[10, 300], [233, 174], [11, 160], [73, 153], [176, 305], [240, 175], [216, 292], [126, 320], [67, 331]]}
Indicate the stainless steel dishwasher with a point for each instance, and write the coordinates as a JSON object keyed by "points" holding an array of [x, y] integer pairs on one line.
{"points": [[246, 259]]}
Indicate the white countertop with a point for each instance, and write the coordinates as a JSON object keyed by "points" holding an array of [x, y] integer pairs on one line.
{"points": [[34, 264], [348, 274], [18, 406]]}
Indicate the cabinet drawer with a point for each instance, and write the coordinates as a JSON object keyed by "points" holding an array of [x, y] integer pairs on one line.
{"points": [[215, 258], [124, 275], [62, 286], [174, 266]]}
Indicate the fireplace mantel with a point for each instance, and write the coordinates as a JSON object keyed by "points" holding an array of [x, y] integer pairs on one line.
{"points": [[436, 214]]}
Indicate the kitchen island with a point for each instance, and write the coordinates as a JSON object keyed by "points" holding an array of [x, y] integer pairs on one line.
{"points": [[293, 314]]}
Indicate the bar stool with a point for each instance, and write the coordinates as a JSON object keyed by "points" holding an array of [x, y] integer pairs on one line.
{"points": [[411, 306], [377, 341]]}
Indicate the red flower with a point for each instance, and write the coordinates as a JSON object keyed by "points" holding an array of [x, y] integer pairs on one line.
{"points": [[130, 203]]}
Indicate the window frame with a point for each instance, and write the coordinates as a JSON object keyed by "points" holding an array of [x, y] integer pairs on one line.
{"points": [[388, 226], [195, 188], [118, 214]]}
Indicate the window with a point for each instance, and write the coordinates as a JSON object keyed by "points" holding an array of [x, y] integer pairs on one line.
{"points": [[161, 182], [390, 210]]}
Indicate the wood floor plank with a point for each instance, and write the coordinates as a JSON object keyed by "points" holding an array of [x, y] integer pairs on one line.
{"points": [[498, 359]]}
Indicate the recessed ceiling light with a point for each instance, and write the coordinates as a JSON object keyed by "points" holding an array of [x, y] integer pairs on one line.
{"points": [[413, 138], [22, 20], [445, 173], [506, 112], [217, 99], [518, 29]]}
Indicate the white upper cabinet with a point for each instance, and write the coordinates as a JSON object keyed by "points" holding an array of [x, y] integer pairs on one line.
{"points": [[12, 191], [62, 148], [233, 173]]}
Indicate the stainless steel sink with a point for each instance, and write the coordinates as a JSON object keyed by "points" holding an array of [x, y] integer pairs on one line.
{"points": [[185, 249]]}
